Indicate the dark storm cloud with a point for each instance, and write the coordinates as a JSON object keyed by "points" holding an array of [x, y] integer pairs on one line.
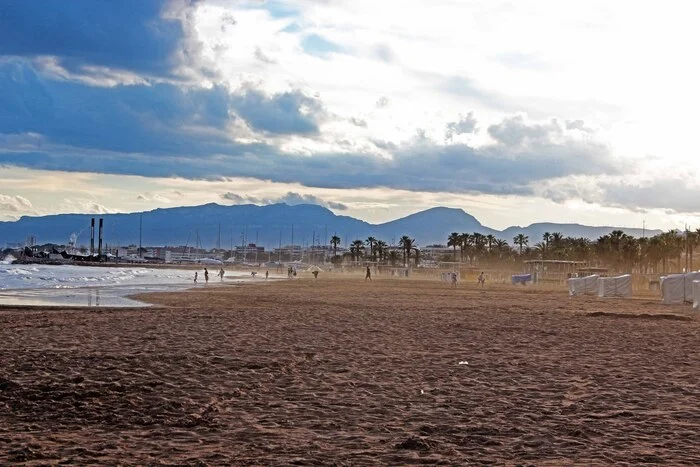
{"points": [[168, 130], [159, 118], [125, 34]]}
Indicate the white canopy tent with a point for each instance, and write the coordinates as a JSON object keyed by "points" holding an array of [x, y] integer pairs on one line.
{"points": [[689, 279], [583, 285], [618, 286], [673, 289], [678, 288]]}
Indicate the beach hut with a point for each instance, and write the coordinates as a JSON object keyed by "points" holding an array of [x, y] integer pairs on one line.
{"points": [[618, 286], [583, 285]]}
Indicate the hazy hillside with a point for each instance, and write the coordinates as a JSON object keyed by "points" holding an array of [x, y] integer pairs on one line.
{"points": [[269, 225]]}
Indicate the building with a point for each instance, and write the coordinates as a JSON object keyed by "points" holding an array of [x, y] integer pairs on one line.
{"points": [[552, 270], [287, 253], [249, 253]]}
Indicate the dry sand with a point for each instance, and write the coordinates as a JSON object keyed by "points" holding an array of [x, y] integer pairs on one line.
{"points": [[345, 372]]}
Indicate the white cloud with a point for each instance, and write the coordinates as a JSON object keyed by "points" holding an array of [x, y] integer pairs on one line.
{"points": [[83, 206], [291, 198], [13, 207]]}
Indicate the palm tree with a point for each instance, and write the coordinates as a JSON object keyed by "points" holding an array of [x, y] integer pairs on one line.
{"points": [[500, 246], [381, 248], [371, 241], [356, 248], [454, 240], [407, 244], [335, 240], [479, 243], [540, 248], [490, 240], [466, 241], [520, 240], [393, 257], [546, 237], [556, 239]]}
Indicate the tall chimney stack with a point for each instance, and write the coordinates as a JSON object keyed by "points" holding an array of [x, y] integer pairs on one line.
{"points": [[99, 244], [92, 236]]}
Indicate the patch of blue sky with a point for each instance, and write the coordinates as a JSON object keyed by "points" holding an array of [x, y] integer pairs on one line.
{"points": [[313, 44]]}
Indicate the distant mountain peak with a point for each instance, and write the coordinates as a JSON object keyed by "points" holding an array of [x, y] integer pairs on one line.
{"points": [[269, 225]]}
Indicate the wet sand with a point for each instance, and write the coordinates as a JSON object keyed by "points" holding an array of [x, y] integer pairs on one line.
{"points": [[345, 372]]}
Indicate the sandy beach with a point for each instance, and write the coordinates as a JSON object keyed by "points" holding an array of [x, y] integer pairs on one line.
{"points": [[343, 372]]}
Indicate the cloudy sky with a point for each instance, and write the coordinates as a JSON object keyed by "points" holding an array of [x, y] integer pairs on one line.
{"points": [[516, 111]]}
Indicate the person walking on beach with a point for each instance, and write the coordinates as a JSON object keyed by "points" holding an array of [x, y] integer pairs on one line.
{"points": [[195, 277], [453, 278], [267, 273], [221, 274], [368, 274], [481, 280], [206, 276]]}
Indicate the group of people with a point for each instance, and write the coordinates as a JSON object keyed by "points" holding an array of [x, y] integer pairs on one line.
{"points": [[480, 281], [206, 275], [292, 272]]}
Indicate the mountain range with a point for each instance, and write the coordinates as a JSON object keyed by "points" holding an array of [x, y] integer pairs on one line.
{"points": [[214, 225]]}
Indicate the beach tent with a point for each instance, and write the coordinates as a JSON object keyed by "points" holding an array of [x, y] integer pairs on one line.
{"points": [[673, 288], [583, 285], [690, 277], [678, 288], [696, 295], [618, 286], [521, 278]]}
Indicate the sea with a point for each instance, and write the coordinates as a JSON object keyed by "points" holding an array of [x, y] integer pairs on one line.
{"points": [[95, 286]]}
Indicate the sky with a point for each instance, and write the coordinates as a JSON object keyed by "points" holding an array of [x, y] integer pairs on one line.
{"points": [[515, 111]]}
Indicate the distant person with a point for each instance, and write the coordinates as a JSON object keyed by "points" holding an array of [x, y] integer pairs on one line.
{"points": [[453, 278], [315, 273], [206, 276], [195, 277], [294, 272], [221, 274], [289, 272], [267, 273], [368, 274], [482, 279]]}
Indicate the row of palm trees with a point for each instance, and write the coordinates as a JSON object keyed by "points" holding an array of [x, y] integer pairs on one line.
{"points": [[379, 250], [616, 250]]}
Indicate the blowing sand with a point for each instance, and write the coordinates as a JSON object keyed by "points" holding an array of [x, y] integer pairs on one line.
{"points": [[351, 373]]}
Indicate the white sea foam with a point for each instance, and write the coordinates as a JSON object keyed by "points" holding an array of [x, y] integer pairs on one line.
{"points": [[90, 285], [64, 276], [7, 259]]}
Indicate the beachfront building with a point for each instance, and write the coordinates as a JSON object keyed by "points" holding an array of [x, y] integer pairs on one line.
{"points": [[287, 253], [250, 253], [437, 252]]}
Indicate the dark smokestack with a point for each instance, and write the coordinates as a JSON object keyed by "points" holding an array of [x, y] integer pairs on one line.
{"points": [[92, 236], [99, 244]]}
